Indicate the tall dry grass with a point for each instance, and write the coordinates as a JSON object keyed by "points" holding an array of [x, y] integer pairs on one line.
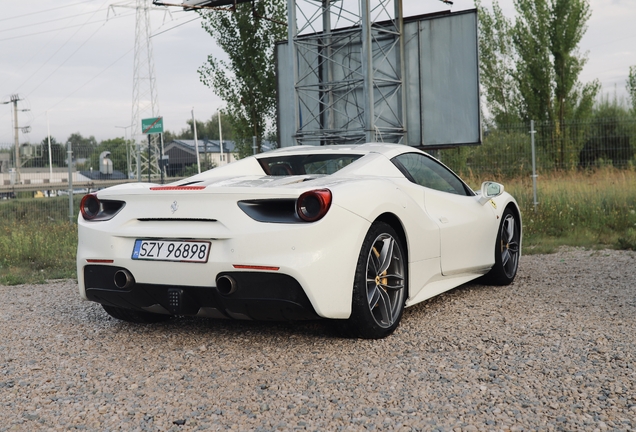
{"points": [[579, 208]]}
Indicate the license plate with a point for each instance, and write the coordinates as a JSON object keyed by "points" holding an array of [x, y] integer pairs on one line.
{"points": [[171, 250]]}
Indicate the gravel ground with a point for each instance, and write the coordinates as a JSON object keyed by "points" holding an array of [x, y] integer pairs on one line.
{"points": [[554, 351]]}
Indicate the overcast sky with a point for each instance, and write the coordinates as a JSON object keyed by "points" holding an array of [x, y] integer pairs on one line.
{"points": [[72, 61]]}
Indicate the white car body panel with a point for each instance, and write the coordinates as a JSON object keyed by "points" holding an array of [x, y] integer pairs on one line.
{"points": [[450, 239]]}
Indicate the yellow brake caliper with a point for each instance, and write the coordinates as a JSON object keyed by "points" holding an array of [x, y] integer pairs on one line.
{"points": [[378, 280]]}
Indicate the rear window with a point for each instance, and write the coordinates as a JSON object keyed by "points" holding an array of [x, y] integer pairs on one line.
{"points": [[306, 164]]}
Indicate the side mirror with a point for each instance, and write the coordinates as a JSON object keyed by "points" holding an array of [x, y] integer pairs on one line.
{"points": [[490, 190]]}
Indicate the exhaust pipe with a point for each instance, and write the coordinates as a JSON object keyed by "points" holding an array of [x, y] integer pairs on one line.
{"points": [[123, 279], [226, 284]]}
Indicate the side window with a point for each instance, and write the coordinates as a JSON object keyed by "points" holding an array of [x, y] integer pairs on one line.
{"points": [[429, 173]]}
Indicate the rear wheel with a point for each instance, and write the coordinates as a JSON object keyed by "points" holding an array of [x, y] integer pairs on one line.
{"points": [[507, 250], [379, 291], [135, 316]]}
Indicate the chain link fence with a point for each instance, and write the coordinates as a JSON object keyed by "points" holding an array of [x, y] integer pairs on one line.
{"points": [[507, 150], [42, 185]]}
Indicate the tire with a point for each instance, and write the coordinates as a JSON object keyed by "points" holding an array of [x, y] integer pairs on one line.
{"points": [[507, 250], [135, 316], [380, 284]]}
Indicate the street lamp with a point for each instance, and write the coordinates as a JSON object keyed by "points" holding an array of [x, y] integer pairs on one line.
{"points": [[128, 162]]}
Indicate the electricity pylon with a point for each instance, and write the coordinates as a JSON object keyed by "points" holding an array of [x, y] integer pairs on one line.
{"points": [[145, 104]]}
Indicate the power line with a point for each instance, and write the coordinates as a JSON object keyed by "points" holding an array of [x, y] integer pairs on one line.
{"points": [[86, 83], [46, 10], [58, 50], [67, 59], [46, 22], [64, 28], [172, 28]]}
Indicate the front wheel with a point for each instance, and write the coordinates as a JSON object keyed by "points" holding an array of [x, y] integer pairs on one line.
{"points": [[379, 291], [507, 250]]}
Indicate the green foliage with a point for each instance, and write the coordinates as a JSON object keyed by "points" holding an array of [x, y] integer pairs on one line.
{"points": [[611, 114], [628, 240], [82, 147], [530, 68], [496, 61], [58, 155], [568, 20], [208, 129], [492, 159], [118, 148], [533, 73], [631, 88], [247, 80], [610, 138]]}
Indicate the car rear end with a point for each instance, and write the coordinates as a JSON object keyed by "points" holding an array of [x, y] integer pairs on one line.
{"points": [[244, 250]]}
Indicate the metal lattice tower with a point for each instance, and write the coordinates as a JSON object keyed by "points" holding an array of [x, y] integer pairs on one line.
{"points": [[145, 104], [348, 60]]}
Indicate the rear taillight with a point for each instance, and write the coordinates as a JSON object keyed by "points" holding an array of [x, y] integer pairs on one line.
{"points": [[90, 207], [94, 209], [313, 205]]}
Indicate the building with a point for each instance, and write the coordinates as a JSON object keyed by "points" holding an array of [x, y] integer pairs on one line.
{"points": [[182, 154], [5, 159]]}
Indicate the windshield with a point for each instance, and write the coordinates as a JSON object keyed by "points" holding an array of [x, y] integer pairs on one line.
{"points": [[306, 164]]}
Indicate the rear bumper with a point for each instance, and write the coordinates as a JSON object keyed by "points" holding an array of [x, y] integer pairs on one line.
{"points": [[320, 257], [258, 296]]}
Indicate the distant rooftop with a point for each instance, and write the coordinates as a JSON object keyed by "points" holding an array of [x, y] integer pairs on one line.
{"points": [[211, 146]]}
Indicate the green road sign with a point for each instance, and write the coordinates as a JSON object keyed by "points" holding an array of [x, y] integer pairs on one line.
{"points": [[152, 125]]}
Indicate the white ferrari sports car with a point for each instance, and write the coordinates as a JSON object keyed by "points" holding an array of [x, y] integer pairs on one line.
{"points": [[350, 233]]}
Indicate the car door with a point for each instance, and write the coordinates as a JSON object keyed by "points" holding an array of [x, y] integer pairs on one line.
{"points": [[466, 227]]}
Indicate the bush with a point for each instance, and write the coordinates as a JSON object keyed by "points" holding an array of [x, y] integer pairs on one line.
{"points": [[628, 240]]}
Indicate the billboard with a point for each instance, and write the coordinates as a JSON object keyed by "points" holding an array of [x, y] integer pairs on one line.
{"points": [[440, 85]]}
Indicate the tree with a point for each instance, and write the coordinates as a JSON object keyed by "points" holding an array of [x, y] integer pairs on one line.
{"points": [[118, 154], [631, 88], [534, 75], [568, 20], [608, 135], [58, 154], [247, 80], [530, 68], [82, 147], [545, 36], [496, 61], [208, 129]]}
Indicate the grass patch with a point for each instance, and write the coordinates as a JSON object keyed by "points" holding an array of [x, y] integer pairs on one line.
{"points": [[32, 251], [595, 209]]}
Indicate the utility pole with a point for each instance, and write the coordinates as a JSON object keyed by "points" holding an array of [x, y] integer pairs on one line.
{"points": [[128, 159], [14, 100]]}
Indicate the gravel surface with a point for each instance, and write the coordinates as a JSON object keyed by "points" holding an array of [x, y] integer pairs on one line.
{"points": [[554, 351]]}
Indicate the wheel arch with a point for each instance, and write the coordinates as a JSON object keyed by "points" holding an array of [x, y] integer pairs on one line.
{"points": [[517, 213], [395, 223]]}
